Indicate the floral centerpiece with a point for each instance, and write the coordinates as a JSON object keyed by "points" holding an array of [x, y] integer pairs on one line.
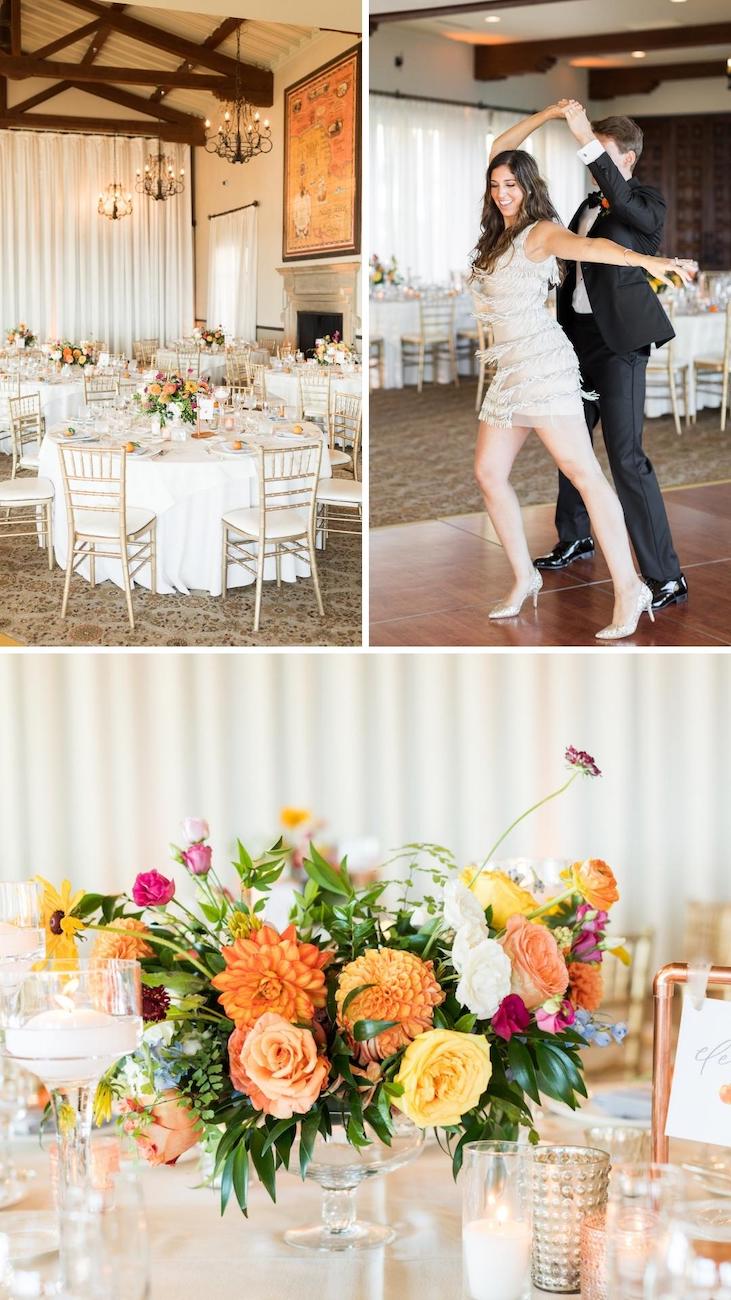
{"points": [[72, 354], [209, 338], [173, 396], [20, 336], [331, 350], [661, 287], [384, 272], [459, 1014]]}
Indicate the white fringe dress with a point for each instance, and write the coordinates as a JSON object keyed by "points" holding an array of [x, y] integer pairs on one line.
{"points": [[537, 381]]}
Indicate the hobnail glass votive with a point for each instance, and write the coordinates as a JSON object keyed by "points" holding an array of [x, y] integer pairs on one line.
{"points": [[616, 1244], [569, 1183], [496, 1220]]}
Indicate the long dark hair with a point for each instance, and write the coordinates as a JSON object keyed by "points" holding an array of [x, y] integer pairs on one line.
{"points": [[495, 237]]}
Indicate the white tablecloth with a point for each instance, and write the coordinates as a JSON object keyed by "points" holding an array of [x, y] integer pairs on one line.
{"points": [[286, 387], [213, 365], [190, 488], [59, 401], [695, 336], [390, 319]]}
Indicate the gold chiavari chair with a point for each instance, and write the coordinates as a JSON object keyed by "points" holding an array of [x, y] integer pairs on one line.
{"points": [[376, 360], [9, 387], [27, 428], [145, 351], [627, 994], [346, 429], [283, 523], [712, 373], [339, 507], [314, 397], [27, 510], [189, 361], [100, 523], [238, 368], [259, 382], [436, 337], [101, 390], [663, 369]]}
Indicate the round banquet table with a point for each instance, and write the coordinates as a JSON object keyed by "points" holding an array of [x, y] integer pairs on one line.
{"points": [[700, 335], [285, 386], [195, 1253], [189, 488], [390, 318], [213, 364]]}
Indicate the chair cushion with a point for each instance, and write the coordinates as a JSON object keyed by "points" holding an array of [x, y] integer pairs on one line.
{"points": [[15, 491], [91, 523], [339, 458], [340, 491], [279, 523], [29, 461]]}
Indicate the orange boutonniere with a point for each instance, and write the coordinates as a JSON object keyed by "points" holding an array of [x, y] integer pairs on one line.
{"points": [[605, 203]]}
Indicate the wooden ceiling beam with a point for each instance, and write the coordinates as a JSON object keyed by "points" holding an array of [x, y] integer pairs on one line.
{"points": [[605, 83], [78, 34], [27, 66], [115, 95], [446, 10], [176, 132], [96, 45], [494, 62], [221, 33], [15, 37], [42, 97]]}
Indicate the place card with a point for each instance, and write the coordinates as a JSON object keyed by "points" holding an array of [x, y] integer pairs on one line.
{"points": [[206, 408], [700, 1098], [103, 361]]}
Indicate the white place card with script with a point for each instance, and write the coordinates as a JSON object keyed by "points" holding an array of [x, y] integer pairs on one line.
{"points": [[206, 408], [103, 361], [700, 1098]]}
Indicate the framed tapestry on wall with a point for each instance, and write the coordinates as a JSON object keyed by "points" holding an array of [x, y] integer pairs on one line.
{"points": [[322, 161]]}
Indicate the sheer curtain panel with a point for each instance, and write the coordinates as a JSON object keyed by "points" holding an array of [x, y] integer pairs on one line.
{"points": [[71, 273], [232, 273]]}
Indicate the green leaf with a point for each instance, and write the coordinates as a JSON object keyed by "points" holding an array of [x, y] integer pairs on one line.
{"points": [[263, 1161], [519, 1060], [353, 994], [280, 1127], [308, 1132], [465, 1024], [241, 1174], [227, 1180], [326, 876], [381, 1126], [365, 1029], [552, 1077]]}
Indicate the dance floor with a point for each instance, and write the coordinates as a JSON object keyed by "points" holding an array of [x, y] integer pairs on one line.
{"points": [[432, 583]]}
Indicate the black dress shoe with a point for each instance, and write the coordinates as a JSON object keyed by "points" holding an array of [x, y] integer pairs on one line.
{"points": [[667, 593], [564, 553]]}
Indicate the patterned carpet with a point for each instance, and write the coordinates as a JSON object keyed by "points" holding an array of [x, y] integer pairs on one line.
{"points": [[30, 603], [421, 449]]}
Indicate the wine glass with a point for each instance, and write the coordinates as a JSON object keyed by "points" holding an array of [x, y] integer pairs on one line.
{"points": [[22, 943]]}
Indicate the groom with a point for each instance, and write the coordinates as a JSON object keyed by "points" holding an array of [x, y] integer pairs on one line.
{"points": [[612, 316]]}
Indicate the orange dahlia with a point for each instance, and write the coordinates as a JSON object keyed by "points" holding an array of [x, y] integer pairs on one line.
{"points": [[402, 988], [129, 945], [585, 984], [269, 971]]}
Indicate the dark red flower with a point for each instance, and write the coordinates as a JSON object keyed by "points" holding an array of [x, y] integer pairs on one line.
{"points": [[155, 1002], [579, 758], [511, 1017]]}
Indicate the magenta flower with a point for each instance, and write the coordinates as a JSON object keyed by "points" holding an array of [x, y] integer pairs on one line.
{"points": [[151, 889], [552, 1022], [579, 758], [195, 829], [511, 1017], [197, 859]]}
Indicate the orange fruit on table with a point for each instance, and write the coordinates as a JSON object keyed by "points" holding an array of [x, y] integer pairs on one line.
{"points": [[129, 446], [237, 444], [297, 428]]}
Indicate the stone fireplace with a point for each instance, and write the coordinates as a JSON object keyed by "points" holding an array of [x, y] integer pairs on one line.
{"points": [[327, 290]]}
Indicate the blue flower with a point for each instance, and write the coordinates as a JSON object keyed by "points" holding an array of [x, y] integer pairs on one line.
{"points": [[602, 1038], [619, 1032]]}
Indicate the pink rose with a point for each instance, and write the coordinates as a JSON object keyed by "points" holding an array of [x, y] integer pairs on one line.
{"points": [[539, 971], [151, 889], [511, 1017], [194, 829], [164, 1132], [198, 859], [276, 1064]]}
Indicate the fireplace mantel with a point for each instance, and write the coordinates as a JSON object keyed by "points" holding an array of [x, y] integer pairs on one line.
{"points": [[332, 287]]}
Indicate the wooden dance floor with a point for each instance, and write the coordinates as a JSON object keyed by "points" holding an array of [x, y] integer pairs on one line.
{"points": [[432, 583]]}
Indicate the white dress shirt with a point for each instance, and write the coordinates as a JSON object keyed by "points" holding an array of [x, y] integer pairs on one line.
{"points": [[580, 300]]}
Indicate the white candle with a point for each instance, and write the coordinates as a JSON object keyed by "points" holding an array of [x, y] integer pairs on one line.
{"points": [[18, 940], [496, 1258], [63, 1046]]}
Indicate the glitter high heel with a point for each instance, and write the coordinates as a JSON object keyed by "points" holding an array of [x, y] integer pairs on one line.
{"points": [[615, 631], [510, 611]]}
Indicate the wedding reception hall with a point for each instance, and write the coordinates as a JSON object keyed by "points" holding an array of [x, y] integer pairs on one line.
{"points": [[446, 81], [180, 370], [402, 983]]}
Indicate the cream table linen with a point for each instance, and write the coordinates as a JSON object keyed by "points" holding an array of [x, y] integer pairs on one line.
{"points": [[390, 318], [285, 388], [190, 488], [213, 364], [701, 335]]}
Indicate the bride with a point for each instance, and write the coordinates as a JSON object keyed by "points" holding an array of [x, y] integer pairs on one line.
{"points": [[537, 383]]}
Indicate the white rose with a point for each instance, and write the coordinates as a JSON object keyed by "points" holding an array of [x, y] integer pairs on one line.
{"points": [[485, 979], [461, 906], [467, 938], [162, 1032]]}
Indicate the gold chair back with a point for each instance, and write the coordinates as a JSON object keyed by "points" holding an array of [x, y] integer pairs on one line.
{"points": [[26, 426], [347, 425]]}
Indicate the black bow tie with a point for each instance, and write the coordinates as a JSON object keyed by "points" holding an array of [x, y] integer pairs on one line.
{"points": [[594, 199]]}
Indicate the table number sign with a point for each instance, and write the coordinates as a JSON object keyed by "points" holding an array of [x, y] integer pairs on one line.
{"points": [[206, 408], [103, 361]]}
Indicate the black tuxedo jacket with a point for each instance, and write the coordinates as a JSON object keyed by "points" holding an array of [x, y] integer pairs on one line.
{"points": [[627, 312]]}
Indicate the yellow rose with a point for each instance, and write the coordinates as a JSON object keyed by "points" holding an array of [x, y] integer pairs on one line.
{"points": [[495, 889], [443, 1075]]}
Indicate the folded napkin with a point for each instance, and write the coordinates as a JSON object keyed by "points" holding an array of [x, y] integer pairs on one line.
{"points": [[626, 1103]]}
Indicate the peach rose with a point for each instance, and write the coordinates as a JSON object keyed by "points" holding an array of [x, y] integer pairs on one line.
{"points": [[595, 881], [276, 1064], [169, 1130], [539, 971]]}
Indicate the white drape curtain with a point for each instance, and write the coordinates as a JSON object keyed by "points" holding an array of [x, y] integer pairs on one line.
{"points": [[103, 755], [428, 165], [70, 273], [232, 273]]}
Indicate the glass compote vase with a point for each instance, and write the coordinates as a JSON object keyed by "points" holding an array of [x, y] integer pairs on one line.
{"points": [[22, 943], [72, 1021], [340, 1168]]}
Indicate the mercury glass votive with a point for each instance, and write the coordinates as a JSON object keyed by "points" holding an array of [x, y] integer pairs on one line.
{"points": [[623, 1142], [569, 1184], [496, 1183]]}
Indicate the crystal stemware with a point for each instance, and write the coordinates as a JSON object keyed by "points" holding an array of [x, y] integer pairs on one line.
{"points": [[22, 943]]}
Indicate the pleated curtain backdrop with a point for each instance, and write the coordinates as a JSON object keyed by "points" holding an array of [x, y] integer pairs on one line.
{"points": [[102, 756], [430, 160], [70, 273], [232, 262]]}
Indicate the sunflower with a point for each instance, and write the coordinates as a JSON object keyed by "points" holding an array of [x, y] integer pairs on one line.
{"points": [[61, 928]]}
